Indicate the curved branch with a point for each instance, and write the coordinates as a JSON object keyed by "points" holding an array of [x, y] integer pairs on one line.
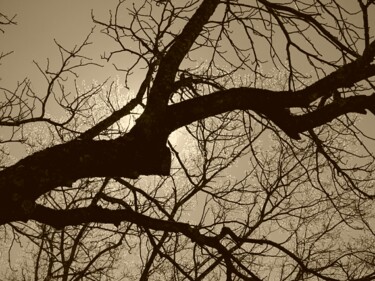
{"points": [[272, 103], [61, 218], [269, 103]]}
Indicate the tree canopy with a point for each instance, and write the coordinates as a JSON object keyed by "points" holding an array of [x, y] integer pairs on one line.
{"points": [[271, 177]]}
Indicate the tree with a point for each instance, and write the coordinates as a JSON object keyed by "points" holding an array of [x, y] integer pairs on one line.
{"points": [[280, 85]]}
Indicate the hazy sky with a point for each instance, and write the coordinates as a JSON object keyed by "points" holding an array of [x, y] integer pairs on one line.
{"points": [[39, 22]]}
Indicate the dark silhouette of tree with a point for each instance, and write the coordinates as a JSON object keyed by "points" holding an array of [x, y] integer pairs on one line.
{"points": [[276, 87]]}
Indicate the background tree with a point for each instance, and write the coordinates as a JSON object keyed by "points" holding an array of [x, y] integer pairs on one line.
{"points": [[272, 177]]}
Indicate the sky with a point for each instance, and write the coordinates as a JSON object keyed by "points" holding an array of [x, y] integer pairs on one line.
{"points": [[40, 22]]}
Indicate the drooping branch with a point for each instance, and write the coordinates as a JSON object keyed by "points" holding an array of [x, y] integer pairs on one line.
{"points": [[272, 103], [268, 103], [62, 218]]}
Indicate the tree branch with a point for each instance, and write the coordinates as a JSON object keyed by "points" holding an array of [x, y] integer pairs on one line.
{"points": [[61, 218], [272, 103], [164, 80], [268, 103], [61, 165]]}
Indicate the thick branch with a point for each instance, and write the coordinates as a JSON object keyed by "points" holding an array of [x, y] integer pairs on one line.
{"points": [[61, 218], [272, 103], [344, 77], [61, 165], [268, 103], [149, 122], [163, 84]]}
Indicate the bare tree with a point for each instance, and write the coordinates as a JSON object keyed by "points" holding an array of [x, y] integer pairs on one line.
{"points": [[275, 87]]}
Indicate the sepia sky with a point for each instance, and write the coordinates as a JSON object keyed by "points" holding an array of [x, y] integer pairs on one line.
{"points": [[39, 22]]}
